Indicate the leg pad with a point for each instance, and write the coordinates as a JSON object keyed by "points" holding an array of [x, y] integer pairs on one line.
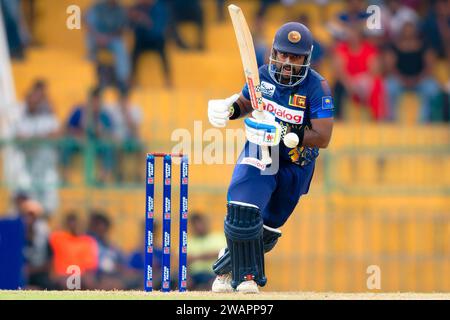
{"points": [[270, 239], [244, 234]]}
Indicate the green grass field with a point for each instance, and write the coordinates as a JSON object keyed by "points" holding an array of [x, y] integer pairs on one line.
{"points": [[205, 295]]}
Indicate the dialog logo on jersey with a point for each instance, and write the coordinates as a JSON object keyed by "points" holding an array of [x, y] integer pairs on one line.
{"points": [[297, 100], [284, 114], [267, 89]]}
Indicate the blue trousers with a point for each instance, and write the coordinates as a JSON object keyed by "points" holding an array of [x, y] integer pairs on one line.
{"points": [[276, 195]]}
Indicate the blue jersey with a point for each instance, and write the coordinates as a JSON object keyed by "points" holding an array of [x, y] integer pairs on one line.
{"points": [[294, 107]]}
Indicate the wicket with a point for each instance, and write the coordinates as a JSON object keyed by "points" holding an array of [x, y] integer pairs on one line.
{"points": [[166, 226]]}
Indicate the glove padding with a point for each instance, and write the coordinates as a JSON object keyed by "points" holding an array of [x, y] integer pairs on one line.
{"points": [[219, 110], [262, 129]]}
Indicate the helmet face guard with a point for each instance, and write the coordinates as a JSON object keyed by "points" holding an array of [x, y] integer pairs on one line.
{"points": [[291, 38], [276, 68]]}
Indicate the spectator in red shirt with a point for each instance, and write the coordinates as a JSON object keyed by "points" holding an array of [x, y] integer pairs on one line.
{"points": [[357, 68]]}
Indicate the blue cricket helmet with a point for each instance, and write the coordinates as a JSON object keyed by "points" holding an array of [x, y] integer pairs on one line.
{"points": [[294, 38]]}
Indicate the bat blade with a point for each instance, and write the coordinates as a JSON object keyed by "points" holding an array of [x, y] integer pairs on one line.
{"points": [[248, 57]]}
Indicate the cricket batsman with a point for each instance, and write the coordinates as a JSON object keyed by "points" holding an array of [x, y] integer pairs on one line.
{"points": [[298, 118]]}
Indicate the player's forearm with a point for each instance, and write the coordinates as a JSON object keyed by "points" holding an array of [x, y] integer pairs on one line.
{"points": [[241, 108], [315, 139]]}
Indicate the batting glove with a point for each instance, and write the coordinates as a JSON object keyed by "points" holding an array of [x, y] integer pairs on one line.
{"points": [[219, 110], [262, 129]]}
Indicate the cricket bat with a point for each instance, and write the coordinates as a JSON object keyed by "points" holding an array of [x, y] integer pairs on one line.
{"points": [[247, 51]]}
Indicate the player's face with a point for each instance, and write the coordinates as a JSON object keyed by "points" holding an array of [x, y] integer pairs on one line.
{"points": [[288, 64]]}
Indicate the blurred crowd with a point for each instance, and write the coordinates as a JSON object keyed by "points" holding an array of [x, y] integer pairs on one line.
{"points": [[369, 67], [376, 66], [109, 132], [378, 55], [87, 246], [152, 23], [374, 63]]}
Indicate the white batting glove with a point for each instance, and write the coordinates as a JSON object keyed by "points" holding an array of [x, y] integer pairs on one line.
{"points": [[219, 110], [262, 129]]}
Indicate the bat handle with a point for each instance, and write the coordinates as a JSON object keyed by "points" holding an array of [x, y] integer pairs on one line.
{"points": [[265, 155]]}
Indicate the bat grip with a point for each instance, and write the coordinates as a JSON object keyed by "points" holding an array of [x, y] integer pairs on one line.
{"points": [[265, 155]]}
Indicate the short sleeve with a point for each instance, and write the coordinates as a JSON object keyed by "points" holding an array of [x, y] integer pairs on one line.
{"points": [[321, 103]]}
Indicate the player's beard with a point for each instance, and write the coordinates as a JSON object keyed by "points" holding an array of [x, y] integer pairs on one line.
{"points": [[287, 72]]}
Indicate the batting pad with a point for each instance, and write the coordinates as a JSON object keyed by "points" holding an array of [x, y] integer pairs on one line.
{"points": [[244, 233], [270, 239]]}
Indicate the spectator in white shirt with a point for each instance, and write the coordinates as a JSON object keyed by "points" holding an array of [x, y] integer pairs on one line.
{"points": [[36, 130]]}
